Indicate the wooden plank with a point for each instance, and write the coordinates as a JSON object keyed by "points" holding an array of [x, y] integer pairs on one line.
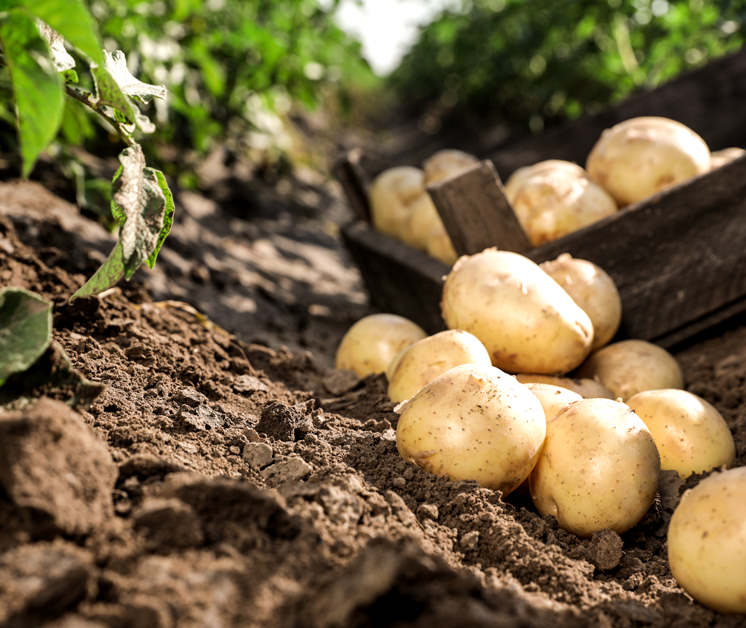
{"points": [[676, 258], [400, 279], [354, 180], [706, 100], [476, 213]]}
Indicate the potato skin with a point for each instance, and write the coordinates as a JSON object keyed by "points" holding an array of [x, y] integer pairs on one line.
{"points": [[593, 290], [691, 435], [527, 322], [421, 362], [514, 182], [372, 342], [552, 398], [641, 156], [447, 163], [719, 158], [586, 388], [631, 366], [393, 195], [473, 423], [598, 468], [707, 541]]}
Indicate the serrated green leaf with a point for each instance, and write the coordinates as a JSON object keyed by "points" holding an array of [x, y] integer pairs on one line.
{"points": [[108, 92], [72, 20], [25, 330], [37, 86], [168, 216], [110, 272]]}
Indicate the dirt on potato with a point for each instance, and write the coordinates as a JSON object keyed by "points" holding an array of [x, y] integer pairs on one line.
{"points": [[169, 463]]}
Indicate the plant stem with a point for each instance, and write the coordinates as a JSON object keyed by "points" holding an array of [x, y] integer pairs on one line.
{"points": [[89, 100]]}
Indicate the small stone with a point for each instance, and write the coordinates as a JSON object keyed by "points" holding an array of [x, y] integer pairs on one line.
{"points": [[340, 382], [258, 455], [191, 397], [284, 422], [605, 549], [399, 482], [249, 384], [428, 511], [288, 470], [202, 418], [470, 540], [234, 450], [252, 435]]}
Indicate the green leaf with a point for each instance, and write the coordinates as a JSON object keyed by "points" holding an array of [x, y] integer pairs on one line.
{"points": [[110, 272], [25, 330], [142, 204], [36, 85], [109, 93], [72, 20]]}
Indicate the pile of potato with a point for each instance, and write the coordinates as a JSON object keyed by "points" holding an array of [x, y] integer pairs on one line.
{"points": [[523, 387], [630, 162]]}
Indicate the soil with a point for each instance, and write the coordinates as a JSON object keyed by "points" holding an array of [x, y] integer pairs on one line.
{"points": [[184, 454]]}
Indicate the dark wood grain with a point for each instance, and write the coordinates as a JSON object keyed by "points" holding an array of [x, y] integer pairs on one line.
{"points": [[476, 213], [400, 280], [676, 258], [350, 173]]}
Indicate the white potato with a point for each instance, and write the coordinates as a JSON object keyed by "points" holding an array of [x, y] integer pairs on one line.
{"points": [[423, 221], [725, 156], [440, 246], [553, 202], [552, 398], [691, 435], [473, 423], [517, 179], [631, 366], [447, 163], [641, 156], [593, 290], [524, 318], [586, 388], [370, 344], [707, 541], [394, 195], [598, 468], [422, 361]]}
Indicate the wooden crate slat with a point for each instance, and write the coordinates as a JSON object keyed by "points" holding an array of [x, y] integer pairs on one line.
{"points": [[675, 257], [354, 180], [400, 279], [476, 213]]}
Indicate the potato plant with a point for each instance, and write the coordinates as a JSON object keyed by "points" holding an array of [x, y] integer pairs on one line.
{"points": [[33, 37]]}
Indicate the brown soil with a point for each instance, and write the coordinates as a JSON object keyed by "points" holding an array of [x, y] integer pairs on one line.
{"points": [[214, 478]]}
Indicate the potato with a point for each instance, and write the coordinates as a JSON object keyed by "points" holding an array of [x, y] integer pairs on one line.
{"points": [[473, 423], [598, 468], [641, 156], [631, 366], [440, 247], [725, 156], [394, 195], [586, 388], [707, 541], [447, 163], [593, 290], [553, 202], [552, 398], [527, 322], [422, 361], [370, 344], [691, 435], [423, 221], [517, 179]]}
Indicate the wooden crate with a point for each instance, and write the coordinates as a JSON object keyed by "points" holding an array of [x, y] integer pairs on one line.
{"points": [[678, 258]]}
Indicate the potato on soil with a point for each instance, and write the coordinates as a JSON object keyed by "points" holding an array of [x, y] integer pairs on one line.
{"points": [[524, 318], [394, 195], [598, 468], [447, 163], [707, 541], [473, 423], [421, 362], [691, 435], [586, 388], [593, 290], [725, 156], [552, 398], [553, 202], [631, 366], [370, 344], [641, 156]]}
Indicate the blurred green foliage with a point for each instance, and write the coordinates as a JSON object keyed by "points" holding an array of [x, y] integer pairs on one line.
{"points": [[529, 62]]}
